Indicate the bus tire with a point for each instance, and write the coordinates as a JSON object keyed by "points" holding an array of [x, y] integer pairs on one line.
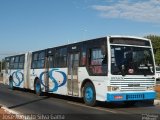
{"points": [[89, 94], [11, 85], [37, 87]]}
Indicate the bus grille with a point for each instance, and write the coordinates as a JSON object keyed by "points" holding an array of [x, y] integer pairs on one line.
{"points": [[133, 84], [135, 96]]}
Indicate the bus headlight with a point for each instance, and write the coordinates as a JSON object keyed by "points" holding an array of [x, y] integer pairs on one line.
{"points": [[150, 88], [113, 88]]}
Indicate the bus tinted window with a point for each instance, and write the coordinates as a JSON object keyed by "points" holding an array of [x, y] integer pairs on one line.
{"points": [[83, 58], [17, 62], [20, 65], [21, 59], [98, 62], [16, 59], [131, 60], [34, 64], [15, 65], [38, 60], [41, 55], [40, 63], [35, 56], [61, 57], [96, 57], [50, 61], [12, 63], [12, 59]]}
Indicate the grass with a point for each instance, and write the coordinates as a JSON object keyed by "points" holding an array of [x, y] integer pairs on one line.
{"points": [[157, 89], [158, 96]]}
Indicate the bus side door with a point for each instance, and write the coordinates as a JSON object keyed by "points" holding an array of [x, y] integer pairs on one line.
{"points": [[73, 64]]}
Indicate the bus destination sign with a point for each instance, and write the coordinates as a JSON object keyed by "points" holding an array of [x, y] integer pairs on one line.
{"points": [[129, 41]]}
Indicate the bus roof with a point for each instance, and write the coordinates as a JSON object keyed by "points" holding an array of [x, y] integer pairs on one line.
{"points": [[111, 36], [123, 36]]}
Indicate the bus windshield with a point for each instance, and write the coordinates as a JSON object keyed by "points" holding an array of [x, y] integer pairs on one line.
{"points": [[127, 60]]}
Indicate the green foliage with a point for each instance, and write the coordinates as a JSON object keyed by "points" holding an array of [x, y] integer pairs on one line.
{"points": [[3, 65], [156, 46], [158, 95]]}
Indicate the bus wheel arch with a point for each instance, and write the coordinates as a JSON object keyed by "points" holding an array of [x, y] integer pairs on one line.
{"points": [[37, 86], [88, 92]]}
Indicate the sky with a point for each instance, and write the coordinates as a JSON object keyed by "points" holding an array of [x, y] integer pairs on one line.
{"points": [[29, 25]]}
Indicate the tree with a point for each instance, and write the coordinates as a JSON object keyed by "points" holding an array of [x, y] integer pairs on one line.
{"points": [[156, 46], [2, 65]]}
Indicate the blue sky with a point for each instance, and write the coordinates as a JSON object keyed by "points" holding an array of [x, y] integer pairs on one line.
{"points": [[27, 25]]}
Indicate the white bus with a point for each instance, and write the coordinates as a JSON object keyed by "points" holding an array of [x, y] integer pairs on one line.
{"points": [[110, 69], [157, 73]]}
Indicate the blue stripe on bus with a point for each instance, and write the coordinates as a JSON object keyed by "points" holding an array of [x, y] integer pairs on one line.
{"points": [[111, 97]]}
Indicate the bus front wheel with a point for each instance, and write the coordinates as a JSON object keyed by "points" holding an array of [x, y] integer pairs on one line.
{"points": [[89, 94]]}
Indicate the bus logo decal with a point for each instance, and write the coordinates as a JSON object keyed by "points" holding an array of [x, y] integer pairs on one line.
{"points": [[17, 75], [52, 78]]}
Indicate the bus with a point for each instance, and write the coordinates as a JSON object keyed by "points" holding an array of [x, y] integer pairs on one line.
{"points": [[108, 69], [157, 73]]}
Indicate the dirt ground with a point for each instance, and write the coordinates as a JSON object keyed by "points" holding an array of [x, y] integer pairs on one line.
{"points": [[4, 115], [157, 89]]}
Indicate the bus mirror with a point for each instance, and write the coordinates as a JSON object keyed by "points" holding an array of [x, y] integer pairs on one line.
{"points": [[154, 50]]}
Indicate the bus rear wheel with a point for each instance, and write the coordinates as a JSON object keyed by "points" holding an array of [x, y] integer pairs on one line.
{"points": [[89, 95], [11, 85], [37, 87]]}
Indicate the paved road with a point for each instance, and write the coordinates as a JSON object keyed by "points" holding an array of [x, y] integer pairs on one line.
{"points": [[26, 102]]}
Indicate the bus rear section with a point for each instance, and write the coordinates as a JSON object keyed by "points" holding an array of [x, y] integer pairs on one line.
{"points": [[132, 76], [16, 71]]}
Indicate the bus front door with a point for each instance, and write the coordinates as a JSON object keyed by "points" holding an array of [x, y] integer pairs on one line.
{"points": [[72, 84]]}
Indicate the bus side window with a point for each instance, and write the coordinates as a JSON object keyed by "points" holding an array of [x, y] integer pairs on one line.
{"points": [[41, 58], [34, 60], [16, 62], [83, 56], [38, 60], [11, 63], [98, 62], [61, 57], [21, 62]]}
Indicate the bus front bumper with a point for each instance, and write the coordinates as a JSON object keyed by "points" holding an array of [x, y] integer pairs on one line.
{"points": [[130, 96]]}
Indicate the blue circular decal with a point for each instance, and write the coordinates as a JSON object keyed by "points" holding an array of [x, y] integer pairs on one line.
{"points": [[50, 75], [17, 75]]}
